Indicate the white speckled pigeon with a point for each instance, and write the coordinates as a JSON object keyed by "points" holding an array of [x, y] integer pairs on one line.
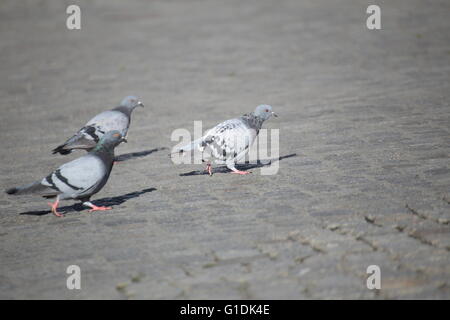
{"points": [[78, 179], [230, 140], [115, 119]]}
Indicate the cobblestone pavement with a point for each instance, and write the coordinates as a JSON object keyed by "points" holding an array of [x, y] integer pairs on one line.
{"points": [[364, 130]]}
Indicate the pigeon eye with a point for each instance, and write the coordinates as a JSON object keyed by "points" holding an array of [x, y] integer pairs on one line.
{"points": [[267, 110]]}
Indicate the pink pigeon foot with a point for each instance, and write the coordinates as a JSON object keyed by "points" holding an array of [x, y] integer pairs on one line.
{"points": [[54, 207], [95, 208], [241, 172], [209, 169]]}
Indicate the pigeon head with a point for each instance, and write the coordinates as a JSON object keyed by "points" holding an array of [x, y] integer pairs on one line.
{"points": [[131, 102], [264, 112], [110, 140]]}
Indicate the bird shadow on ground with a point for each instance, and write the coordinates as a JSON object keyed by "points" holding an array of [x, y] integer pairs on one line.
{"points": [[243, 167], [139, 154], [111, 201]]}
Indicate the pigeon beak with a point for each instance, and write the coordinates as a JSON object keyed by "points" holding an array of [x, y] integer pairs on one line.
{"points": [[274, 114], [140, 104], [124, 140]]}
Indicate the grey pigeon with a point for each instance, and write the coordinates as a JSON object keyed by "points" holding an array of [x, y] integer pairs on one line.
{"points": [[78, 179], [229, 141], [115, 119]]}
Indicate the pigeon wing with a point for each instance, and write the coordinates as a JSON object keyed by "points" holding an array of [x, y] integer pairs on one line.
{"points": [[110, 120], [228, 140], [78, 178], [88, 136]]}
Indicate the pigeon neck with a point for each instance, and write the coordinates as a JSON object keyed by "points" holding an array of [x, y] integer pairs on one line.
{"points": [[105, 153], [124, 110], [253, 121], [103, 148]]}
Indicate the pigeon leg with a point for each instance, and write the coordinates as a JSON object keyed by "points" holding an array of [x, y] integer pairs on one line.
{"points": [[234, 170], [94, 207], [209, 169], [54, 207]]}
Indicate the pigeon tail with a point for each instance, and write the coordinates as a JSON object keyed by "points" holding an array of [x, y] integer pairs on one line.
{"points": [[189, 147], [29, 188], [60, 149]]}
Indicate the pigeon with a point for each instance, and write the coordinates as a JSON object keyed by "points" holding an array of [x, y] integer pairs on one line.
{"points": [[229, 141], [115, 119], [78, 179]]}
